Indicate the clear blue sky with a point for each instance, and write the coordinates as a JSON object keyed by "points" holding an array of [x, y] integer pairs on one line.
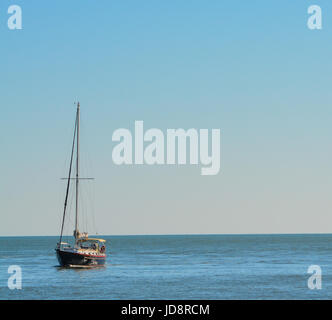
{"points": [[251, 68]]}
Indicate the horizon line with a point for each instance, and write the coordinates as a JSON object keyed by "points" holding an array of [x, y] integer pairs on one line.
{"points": [[178, 234]]}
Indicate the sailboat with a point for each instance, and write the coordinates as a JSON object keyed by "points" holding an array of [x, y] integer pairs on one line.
{"points": [[85, 251]]}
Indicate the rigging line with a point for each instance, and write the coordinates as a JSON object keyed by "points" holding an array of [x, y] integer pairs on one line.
{"points": [[68, 183], [91, 198], [69, 208]]}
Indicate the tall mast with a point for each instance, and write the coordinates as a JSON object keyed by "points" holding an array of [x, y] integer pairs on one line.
{"points": [[77, 166], [68, 182]]}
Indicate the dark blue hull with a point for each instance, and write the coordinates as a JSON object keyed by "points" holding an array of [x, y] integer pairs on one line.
{"points": [[73, 259]]}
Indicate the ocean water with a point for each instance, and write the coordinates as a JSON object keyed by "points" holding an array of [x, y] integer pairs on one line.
{"points": [[174, 267]]}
